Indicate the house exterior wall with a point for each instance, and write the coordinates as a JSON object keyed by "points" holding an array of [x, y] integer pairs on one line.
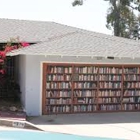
{"points": [[31, 76]]}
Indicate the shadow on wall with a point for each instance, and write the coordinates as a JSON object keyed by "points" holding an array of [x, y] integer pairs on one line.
{"points": [[94, 118]]}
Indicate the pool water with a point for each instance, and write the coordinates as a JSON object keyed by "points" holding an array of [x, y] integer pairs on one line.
{"points": [[36, 135]]}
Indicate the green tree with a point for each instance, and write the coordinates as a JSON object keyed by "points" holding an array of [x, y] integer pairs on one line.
{"points": [[121, 18], [77, 2]]}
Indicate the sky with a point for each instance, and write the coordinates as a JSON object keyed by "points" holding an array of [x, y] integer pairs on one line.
{"points": [[91, 16]]}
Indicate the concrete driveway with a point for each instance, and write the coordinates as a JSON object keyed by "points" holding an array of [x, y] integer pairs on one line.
{"points": [[112, 125]]}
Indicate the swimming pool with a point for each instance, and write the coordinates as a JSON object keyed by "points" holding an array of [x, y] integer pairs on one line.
{"points": [[36, 135]]}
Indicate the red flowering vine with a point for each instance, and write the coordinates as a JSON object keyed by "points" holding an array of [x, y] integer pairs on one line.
{"points": [[12, 45]]}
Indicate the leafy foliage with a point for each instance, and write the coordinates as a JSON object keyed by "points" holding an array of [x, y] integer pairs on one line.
{"points": [[77, 2], [11, 45], [8, 86], [121, 17]]}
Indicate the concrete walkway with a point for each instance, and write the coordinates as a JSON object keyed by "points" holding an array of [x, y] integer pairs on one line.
{"points": [[7, 128], [113, 125]]}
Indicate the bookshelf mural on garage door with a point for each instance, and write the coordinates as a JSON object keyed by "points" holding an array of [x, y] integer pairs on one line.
{"points": [[81, 88]]}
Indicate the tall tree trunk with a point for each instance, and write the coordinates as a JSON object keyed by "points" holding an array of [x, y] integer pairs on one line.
{"points": [[117, 29]]}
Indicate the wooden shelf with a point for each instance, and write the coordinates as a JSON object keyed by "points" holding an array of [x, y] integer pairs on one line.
{"points": [[130, 81], [59, 81], [85, 81], [85, 97], [53, 113], [84, 103], [86, 73], [130, 103], [108, 103], [131, 73], [132, 110], [133, 88], [59, 89], [56, 97], [58, 104], [131, 96], [99, 111], [59, 73], [109, 96], [110, 88], [109, 80], [103, 96], [83, 112], [110, 73], [109, 111], [84, 88]]}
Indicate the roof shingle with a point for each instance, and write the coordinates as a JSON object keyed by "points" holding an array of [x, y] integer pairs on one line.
{"points": [[57, 39], [82, 44], [31, 31]]}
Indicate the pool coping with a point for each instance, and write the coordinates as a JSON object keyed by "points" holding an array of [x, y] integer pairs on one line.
{"points": [[18, 124]]}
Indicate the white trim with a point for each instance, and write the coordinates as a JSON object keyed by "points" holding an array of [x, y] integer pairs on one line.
{"points": [[134, 63], [77, 56], [41, 90]]}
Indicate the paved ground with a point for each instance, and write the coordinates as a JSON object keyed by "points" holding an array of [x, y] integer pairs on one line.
{"points": [[114, 125]]}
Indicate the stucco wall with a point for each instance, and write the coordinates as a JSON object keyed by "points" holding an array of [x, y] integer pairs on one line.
{"points": [[20, 75], [31, 84]]}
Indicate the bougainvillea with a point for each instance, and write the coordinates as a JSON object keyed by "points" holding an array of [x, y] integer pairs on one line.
{"points": [[13, 44]]}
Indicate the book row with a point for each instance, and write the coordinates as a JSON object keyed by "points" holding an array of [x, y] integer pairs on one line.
{"points": [[132, 85], [58, 101], [110, 85], [58, 94], [77, 93], [108, 100], [66, 108], [92, 93], [132, 77], [110, 77], [85, 93], [58, 85], [85, 85], [131, 93], [109, 93], [132, 70], [135, 99], [77, 77], [85, 69], [110, 70], [84, 108], [92, 69], [59, 69], [109, 107], [58, 109], [131, 107], [93, 84], [119, 70], [57, 77], [84, 101], [91, 108]]}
